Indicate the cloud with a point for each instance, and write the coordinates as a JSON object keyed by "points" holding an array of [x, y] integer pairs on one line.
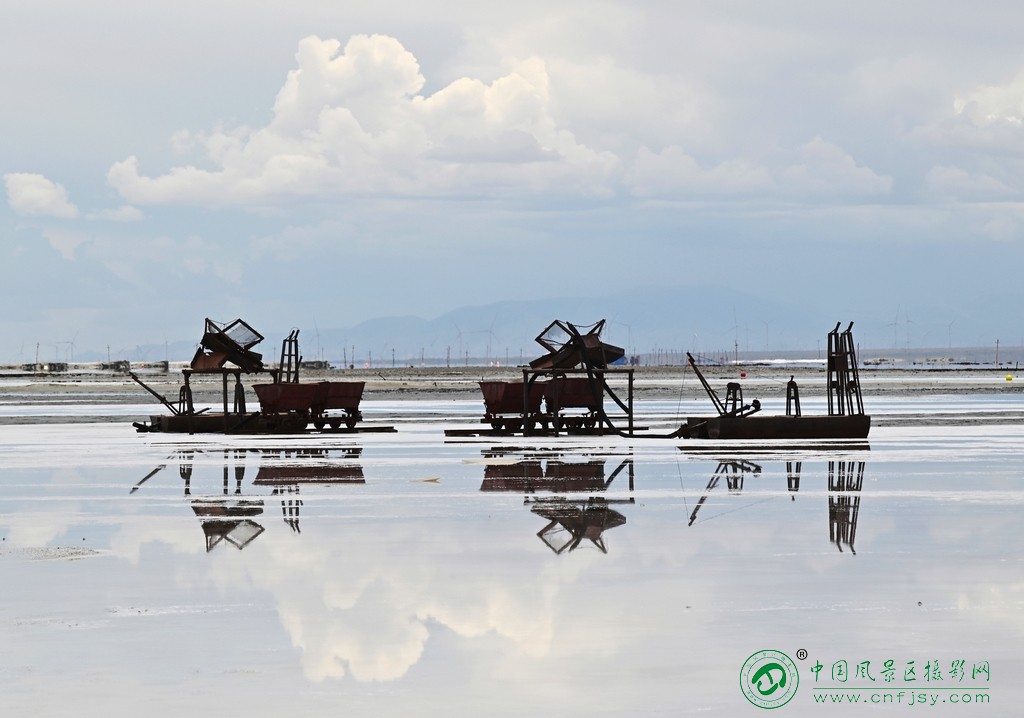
{"points": [[820, 170], [994, 104], [124, 213], [672, 172], [33, 195], [826, 170], [352, 121], [65, 241], [511, 146], [136, 261], [988, 118], [956, 183]]}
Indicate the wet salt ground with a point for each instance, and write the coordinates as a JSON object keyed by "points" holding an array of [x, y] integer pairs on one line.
{"points": [[415, 581]]}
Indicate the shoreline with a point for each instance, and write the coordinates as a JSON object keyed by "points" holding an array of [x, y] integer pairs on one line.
{"points": [[418, 383]]}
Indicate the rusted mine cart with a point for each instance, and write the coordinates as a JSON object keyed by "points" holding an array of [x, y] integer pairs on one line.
{"points": [[507, 405], [574, 394], [343, 396], [296, 405], [285, 406]]}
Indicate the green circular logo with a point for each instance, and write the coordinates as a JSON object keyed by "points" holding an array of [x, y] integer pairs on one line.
{"points": [[769, 679]]}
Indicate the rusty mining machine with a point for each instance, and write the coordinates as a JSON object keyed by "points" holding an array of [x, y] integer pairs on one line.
{"points": [[286, 404], [562, 390]]}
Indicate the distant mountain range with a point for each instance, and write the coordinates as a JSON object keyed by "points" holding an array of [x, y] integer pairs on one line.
{"points": [[658, 322]]}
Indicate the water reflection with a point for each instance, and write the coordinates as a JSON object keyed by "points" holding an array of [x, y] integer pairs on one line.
{"points": [[228, 516], [577, 510], [221, 521], [224, 518], [570, 521], [845, 481], [314, 465], [733, 470]]}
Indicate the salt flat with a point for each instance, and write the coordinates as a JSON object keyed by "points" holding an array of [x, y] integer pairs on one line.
{"points": [[410, 573]]}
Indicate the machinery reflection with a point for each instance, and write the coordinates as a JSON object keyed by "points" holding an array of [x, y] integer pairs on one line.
{"points": [[224, 518], [845, 481], [292, 472], [228, 516], [570, 520]]}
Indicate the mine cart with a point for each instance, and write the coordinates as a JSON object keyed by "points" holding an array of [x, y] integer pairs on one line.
{"points": [[312, 402], [507, 404], [575, 394], [288, 405], [337, 395]]}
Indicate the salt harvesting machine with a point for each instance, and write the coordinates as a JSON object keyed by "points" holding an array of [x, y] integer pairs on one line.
{"points": [[565, 389], [286, 404]]}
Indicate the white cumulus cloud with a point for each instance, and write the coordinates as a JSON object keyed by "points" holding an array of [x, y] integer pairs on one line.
{"points": [[353, 120], [33, 195]]}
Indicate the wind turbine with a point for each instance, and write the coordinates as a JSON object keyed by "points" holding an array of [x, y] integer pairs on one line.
{"points": [[490, 337], [895, 330], [736, 339], [906, 318], [69, 348], [458, 337]]}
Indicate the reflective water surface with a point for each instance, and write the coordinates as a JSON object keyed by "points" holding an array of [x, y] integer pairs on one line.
{"points": [[407, 574]]}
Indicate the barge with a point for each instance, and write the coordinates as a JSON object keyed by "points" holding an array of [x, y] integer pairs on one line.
{"points": [[846, 418]]}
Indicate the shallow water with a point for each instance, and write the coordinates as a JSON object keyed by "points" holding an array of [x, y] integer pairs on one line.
{"points": [[410, 574]]}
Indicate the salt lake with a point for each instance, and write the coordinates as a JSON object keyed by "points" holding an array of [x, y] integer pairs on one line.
{"points": [[412, 573]]}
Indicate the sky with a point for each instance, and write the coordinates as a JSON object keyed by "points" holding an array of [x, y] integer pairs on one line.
{"points": [[325, 164]]}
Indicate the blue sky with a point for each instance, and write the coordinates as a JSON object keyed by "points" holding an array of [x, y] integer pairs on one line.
{"points": [[306, 162]]}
